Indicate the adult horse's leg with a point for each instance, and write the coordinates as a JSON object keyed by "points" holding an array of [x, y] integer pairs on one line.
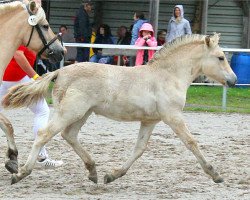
{"points": [[70, 135], [178, 125], [141, 144], [11, 163]]}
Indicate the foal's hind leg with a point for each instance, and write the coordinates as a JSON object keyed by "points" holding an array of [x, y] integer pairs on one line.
{"points": [[65, 114], [44, 135], [11, 163], [70, 135], [141, 144], [178, 126], [60, 120]]}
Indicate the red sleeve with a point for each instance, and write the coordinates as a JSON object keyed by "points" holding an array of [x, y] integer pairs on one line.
{"points": [[13, 71], [22, 48]]}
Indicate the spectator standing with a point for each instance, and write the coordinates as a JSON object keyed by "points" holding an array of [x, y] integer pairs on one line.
{"points": [[20, 70], [103, 36], [139, 19], [146, 38], [161, 37], [177, 25], [82, 30]]}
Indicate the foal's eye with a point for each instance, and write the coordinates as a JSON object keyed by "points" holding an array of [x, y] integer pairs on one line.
{"points": [[221, 58], [46, 27]]}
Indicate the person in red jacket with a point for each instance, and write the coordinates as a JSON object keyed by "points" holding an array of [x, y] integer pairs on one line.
{"points": [[20, 70]]}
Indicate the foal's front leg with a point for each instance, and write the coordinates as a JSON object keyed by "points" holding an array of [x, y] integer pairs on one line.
{"points": [[178, 126], [141, 144]]}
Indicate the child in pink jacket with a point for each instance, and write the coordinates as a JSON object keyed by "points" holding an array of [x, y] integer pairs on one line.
{"points": [[146, 38]]}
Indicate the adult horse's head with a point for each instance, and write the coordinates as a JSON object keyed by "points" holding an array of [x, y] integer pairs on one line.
{"points": [[39, 36], [214, 64]]}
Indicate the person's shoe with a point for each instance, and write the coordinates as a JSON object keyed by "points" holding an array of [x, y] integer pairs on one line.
{"points": [[49, 163]]}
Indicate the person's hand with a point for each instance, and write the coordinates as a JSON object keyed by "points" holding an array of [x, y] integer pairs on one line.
{"points": [[39, 78], [147, 37]]}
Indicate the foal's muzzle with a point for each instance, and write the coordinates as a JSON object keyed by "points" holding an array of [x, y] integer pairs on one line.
{"points": [[231, 80]]}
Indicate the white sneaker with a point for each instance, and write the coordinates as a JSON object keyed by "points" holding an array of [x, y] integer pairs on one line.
{"points": [[49, 163]]}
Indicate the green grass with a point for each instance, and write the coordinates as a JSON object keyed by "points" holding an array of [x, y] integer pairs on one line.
{"points": [[48, 98], [209, 99]]}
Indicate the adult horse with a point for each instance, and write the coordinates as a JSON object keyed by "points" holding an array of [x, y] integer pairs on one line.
{"points": [[149, 94], [23, 23]]}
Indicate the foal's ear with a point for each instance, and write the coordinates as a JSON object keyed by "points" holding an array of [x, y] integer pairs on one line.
{"points": [[207, 40]]}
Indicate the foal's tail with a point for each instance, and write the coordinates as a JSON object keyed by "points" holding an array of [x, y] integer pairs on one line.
{"points": [[26, 94]]}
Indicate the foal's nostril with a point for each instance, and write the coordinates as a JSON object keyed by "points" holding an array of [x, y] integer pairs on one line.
{"points": [[235, 80], [232, 82]]}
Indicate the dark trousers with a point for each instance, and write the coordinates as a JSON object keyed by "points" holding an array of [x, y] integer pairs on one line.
{"points": [[132, 61], [82, 54]]}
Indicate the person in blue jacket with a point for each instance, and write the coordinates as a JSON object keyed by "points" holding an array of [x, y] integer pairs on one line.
{"points": [[177, 25], [139, 19]]}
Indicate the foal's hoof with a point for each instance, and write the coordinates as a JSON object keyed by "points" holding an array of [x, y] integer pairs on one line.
{"points": [[219, 179], [14, 179], [108, 178], [93, 178], [12, 166]]}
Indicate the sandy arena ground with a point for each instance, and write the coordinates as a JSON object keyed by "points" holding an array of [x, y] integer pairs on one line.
{"points": [[167, 170]]}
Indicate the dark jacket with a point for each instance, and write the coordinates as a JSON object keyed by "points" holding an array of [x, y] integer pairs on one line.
{"points": [[125, 40], [100, 39], [82, 26]]}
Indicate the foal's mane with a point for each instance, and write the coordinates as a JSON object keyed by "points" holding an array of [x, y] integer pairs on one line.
{"points": [[6, 7], [169, 48]]}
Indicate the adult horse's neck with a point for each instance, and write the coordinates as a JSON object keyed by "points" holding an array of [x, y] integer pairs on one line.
{"points": [[13, 28]]}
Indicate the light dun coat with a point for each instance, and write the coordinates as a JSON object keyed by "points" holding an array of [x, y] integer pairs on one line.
{"points": [[149, 94], [14, 31]]}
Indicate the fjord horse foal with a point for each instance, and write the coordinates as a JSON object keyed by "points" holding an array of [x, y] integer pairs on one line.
{"points": [[149, 94]]}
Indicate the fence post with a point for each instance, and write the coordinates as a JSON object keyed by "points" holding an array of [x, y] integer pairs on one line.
{"points": [[62, 63], [224, 98], [224, 95]]}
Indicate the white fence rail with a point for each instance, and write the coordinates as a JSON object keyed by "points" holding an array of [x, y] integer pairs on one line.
{"points": [[133, 47]]}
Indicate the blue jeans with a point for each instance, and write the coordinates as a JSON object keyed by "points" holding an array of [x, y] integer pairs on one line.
{"points": [[98, 58]]}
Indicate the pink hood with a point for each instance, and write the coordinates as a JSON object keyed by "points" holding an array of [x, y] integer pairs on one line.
{"points": [[147, 27], [152, 42]]}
